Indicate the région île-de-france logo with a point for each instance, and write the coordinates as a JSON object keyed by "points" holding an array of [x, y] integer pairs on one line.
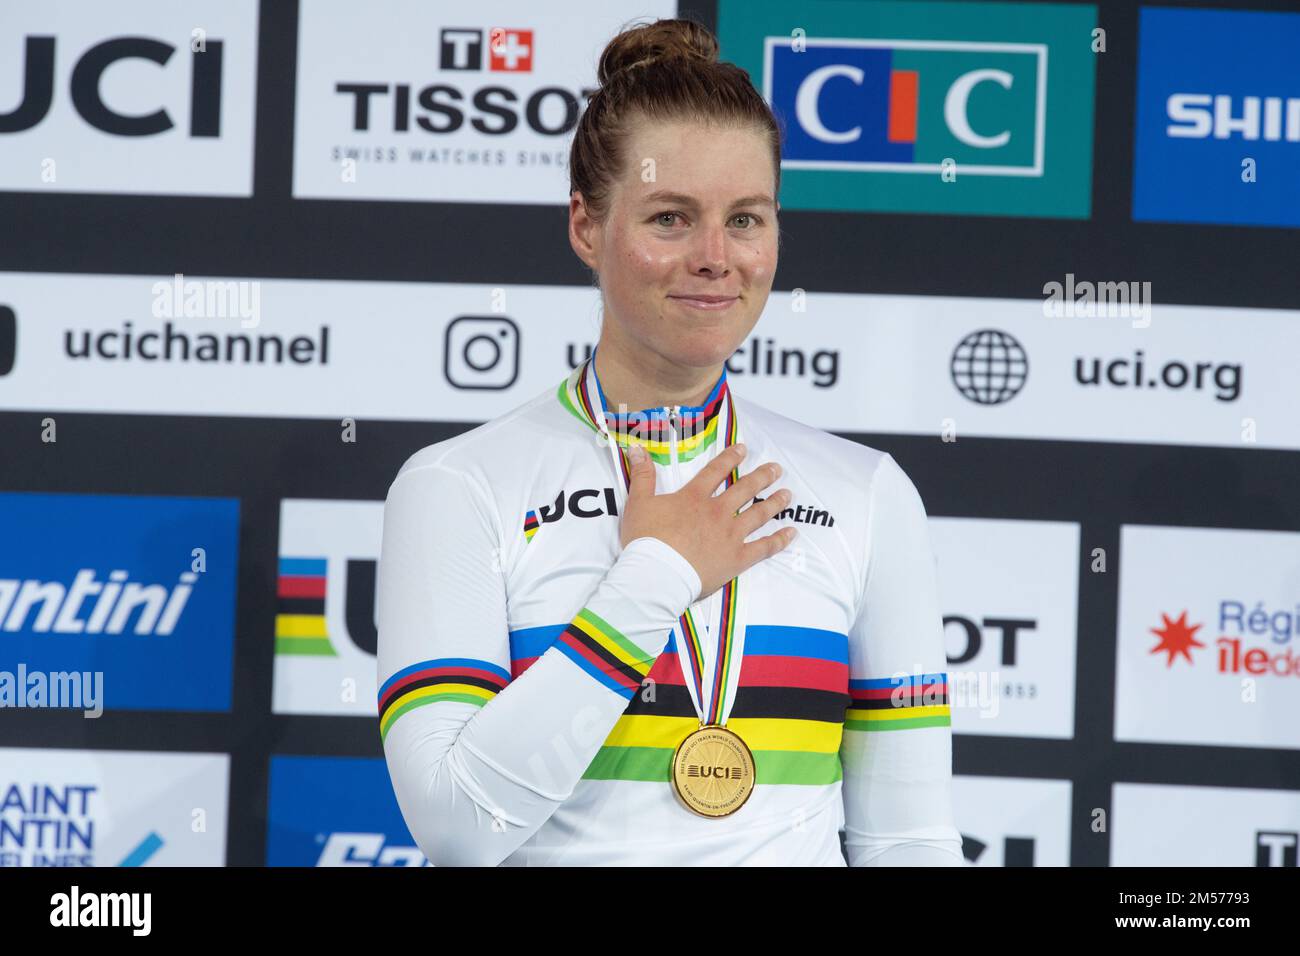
{"points": [[1239, 627], [1176, 638]]}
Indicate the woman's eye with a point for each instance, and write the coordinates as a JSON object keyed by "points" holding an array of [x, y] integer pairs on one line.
{"points": [[752, 220]]}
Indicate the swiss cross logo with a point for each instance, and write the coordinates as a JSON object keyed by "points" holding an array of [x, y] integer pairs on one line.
{"points": [[510, 51]]}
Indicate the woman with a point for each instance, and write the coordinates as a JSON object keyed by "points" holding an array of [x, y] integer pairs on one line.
{"points": [[604, 636]]}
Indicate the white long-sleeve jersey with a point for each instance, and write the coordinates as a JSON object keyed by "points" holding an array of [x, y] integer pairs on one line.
{"points": [[532, 692]]}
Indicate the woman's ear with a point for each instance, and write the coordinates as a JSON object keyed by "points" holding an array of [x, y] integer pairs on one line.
{"points": [[583, 231]]}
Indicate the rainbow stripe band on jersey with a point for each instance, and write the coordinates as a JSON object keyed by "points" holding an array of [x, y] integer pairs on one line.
{"points": [[898, 703], [697, 425], [599, 649], [789, 707], [461, 679]]}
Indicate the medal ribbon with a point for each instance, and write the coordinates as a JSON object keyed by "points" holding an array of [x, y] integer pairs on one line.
{"points": [[728, 636]]}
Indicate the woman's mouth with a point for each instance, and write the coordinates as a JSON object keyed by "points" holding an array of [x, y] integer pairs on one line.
{"points": [[707, 303]]}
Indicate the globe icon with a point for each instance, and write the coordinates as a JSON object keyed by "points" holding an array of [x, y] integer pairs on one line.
{"points": [[989, 367]]}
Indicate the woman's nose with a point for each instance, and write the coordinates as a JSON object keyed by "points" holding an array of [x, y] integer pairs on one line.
{"points": [[710, 249]]}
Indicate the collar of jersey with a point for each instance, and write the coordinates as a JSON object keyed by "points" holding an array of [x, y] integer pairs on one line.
{"points": [[697, 426]]}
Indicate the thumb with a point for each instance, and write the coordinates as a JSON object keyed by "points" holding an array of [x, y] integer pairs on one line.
{"points": [[643, 472]]}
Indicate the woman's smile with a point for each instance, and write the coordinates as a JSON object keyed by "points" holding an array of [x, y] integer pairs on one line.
{"points": [[707, 303]]}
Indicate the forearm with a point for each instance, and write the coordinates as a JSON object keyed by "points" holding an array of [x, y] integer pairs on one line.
{"points": [[898, 798], [475, 782], [929, 853]]}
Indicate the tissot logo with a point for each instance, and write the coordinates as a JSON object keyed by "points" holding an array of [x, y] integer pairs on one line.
{"points": [[385, 107], [468, 110], [8, 339], [86, 86], [509, 51]]}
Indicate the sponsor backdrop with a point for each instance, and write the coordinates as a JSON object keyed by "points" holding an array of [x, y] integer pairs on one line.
{"points": [[254, 255]]}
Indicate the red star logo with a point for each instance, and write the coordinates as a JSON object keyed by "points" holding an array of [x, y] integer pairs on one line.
{"points": [[1176, 638]]}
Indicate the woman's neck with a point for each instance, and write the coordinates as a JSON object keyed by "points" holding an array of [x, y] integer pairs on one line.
{"points": [[640, 384]]}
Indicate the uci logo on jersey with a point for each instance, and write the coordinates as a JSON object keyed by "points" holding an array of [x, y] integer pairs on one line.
{"points": [[583, 503]]}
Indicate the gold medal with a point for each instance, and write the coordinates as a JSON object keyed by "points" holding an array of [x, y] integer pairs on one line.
{"points": [[713, 771]]}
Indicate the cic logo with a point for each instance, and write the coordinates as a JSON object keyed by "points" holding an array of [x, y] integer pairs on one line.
{"points": [[8, 339]]}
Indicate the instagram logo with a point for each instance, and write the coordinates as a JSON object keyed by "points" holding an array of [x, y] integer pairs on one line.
{"points": [[481, 351]]}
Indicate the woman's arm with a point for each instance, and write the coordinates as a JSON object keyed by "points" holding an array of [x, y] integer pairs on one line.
{"points": [[897, 745], [479, 761]]}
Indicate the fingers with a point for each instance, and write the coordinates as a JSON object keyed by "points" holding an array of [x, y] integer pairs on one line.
{"points": [[643, 472], [761, 512], [715, 472], [765, 547], [750, 485]]}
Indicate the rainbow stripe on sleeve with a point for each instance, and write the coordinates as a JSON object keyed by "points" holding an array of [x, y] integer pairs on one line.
{"points": [[461, 679], [898, 703], [599, 649]]}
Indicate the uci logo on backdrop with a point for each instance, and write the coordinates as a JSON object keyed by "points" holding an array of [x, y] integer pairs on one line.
{"points": [[148, 97], [926, 107], [325, 633]]}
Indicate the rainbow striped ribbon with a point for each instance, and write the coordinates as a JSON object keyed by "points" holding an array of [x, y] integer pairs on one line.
{"points": [[576, 393]]}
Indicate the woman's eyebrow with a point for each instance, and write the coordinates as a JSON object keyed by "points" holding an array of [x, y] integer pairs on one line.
{"points": [[681, 199]]}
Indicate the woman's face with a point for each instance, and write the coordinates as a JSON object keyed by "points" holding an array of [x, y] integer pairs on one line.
{"points": [[693, 215]]}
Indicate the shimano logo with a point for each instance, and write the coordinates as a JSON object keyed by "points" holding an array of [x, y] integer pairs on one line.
{"points": [[54, 607], [1200, 116], [367, 849]]}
